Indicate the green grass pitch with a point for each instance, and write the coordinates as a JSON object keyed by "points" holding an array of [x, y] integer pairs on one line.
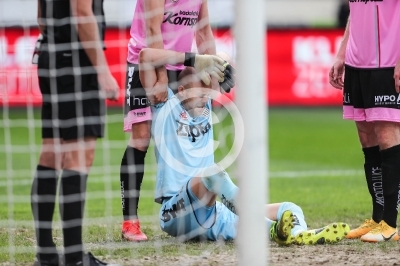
{"points": [[315, 160]]}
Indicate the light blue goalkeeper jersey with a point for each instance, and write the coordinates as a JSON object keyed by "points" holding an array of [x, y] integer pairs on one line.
{"points": [[184, 145]]}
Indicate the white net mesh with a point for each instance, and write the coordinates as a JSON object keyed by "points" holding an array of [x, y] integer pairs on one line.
{"points": [[20, 146]]}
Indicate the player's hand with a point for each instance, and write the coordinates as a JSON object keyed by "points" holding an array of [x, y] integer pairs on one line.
{"points": [[109, 88], [209, 65], [159, 92], [229, 78], [336, 74], [396, 76]]}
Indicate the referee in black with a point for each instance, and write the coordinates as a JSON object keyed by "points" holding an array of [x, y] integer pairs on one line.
{"points": [[74, 79]]}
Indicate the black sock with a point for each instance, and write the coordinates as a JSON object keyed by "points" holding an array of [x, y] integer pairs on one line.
{"points": [[391, 183], [43, 196], [373, 175], [72, 201], [131, 177]]}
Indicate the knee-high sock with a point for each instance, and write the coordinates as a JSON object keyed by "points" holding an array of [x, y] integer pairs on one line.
{"points": [[216, 180], [72, 201], [373, 175], [391, 184], [131, 177], [269, 223], [43, 197], [299, 223]]}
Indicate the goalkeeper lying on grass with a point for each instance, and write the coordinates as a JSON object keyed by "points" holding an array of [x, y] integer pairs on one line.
{"points": [[188, 181]]}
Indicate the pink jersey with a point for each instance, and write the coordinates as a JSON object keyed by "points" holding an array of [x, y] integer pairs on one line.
{"points": [[374, 33], [178, 28]]}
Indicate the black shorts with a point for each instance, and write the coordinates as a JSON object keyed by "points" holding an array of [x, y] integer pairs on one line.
{"points": [[370, 95], [72, 107], [135, 95]]}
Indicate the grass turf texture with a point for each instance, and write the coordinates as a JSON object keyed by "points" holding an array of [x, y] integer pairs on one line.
{"points": [[308, 149]]}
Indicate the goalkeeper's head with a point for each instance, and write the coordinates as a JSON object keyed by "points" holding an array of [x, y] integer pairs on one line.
{"points": [[192, 91]]}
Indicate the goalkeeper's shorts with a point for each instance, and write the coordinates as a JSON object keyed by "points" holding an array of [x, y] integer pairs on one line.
{"points": [[186, 217]]}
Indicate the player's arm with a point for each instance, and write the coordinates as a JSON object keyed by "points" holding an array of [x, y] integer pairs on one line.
{"points": [[337, 70], [150, 59], [39, 18], [204, 37], [154, 16], [89, 37]]}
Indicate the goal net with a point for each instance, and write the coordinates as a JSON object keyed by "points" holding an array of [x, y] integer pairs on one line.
{"points": [[21, 144]]}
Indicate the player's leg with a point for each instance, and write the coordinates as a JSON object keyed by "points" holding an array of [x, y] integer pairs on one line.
{"points": [[78, 158], [288, 213], [44, 186], [216, 180], [186, 215], [389, 141], [82, 123], [43, 197], [137, 121], [356, 85], [280, 223], [373, 175]]}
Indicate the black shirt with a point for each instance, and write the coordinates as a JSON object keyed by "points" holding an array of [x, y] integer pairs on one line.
{"points": [[60, 27]]}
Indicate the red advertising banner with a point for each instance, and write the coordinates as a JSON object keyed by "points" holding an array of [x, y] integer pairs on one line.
{"points": [[298, 66], [297, 69]]}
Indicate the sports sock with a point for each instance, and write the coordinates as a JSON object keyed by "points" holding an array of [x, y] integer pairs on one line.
{"points": [[269, 223], [72, 201], [43, 197], [391, 183], [131, 177], [373, 175], [217, 180], [299, 223]]}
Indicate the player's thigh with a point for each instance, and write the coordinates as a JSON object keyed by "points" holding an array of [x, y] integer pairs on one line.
{"points": [[381, 101], [177, 215], [49, 113], [353, 101], [136, 104], [81, 108]]}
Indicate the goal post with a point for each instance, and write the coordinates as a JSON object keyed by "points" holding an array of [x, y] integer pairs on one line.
{"points": [[249, 29]]}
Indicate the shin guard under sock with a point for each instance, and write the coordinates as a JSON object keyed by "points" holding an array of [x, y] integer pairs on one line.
{"points": [[131, 177], [391, 182], [72, 201], [216, 180], [43, 197], [373, 175]]}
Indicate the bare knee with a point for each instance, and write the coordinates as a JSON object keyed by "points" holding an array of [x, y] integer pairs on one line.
{"points": [[388, 134], [366, 134], [79, 155], [201, 192], [140, 135], [51, 154]]}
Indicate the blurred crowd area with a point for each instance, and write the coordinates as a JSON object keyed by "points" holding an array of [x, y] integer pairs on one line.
{"points": [[278, 13]]}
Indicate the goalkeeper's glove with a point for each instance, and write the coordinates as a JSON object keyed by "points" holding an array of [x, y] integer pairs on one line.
{"points": [[229, 78], [205, 66], [36, 51]]}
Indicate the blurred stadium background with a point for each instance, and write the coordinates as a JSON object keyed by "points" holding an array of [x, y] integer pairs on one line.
{"points": [[306, 133]]}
